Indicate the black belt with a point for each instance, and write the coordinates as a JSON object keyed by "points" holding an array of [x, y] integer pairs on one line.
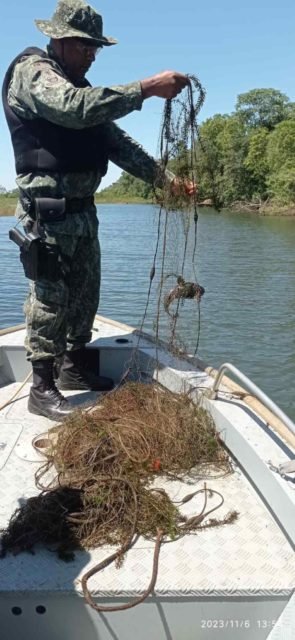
{"points": [[71, 205], [78, 205]]}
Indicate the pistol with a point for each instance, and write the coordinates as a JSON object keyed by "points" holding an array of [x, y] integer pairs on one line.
{"points": [[23, 241]]}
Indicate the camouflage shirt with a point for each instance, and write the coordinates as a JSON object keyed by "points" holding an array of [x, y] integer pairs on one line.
{"points": [[40, 88]]}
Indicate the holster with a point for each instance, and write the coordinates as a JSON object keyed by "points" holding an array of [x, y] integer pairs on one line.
{"points": [[41, 259], [49, 210], [29, 249]]}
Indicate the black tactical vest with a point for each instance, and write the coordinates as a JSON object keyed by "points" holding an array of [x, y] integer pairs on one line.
{"points": [[41, 145]]}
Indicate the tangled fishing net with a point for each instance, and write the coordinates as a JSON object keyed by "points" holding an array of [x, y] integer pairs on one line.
{"points": [[100, 484], [102, 468], [174, 270]]}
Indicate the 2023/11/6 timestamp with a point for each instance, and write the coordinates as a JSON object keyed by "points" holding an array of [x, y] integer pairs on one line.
{"points": [[235, 623]]}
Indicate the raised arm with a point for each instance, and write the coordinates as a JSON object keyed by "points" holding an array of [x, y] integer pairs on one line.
{"points": [[40, 89]]}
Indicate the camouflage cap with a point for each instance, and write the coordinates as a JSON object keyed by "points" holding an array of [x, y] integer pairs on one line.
{"points": [[75, 19]]}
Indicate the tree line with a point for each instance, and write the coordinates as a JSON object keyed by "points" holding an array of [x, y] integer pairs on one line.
{"points": [[247, 156], [244, 157]]}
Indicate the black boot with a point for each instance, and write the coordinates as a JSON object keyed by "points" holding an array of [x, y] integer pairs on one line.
{"points": [[75, 374], [45, 399]]}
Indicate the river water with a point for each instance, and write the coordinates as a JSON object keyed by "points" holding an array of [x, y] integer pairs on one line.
{"points": [[246, 264]]}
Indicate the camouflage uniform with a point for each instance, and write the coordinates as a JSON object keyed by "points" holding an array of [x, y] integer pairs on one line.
{"points": [[60, 314]]}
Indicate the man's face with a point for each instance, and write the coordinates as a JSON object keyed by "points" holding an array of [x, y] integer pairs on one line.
{"points": [[78, 56]]}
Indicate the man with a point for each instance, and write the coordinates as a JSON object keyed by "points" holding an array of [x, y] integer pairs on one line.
{"points": [[63, 134]]}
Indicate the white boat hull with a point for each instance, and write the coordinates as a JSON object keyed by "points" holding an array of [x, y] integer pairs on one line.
{"points": [[231, 582]]}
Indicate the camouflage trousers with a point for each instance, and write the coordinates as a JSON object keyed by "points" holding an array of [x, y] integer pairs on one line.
{"points": [[60, 312]]}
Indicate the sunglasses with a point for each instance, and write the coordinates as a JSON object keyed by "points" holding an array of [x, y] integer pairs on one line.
{"points": [[87, 49]]}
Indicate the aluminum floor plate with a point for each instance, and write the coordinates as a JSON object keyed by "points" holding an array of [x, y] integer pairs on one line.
{"points": [[249, 557]]}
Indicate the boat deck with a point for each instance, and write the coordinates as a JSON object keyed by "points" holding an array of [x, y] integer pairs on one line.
{"points": [[251, 557]]}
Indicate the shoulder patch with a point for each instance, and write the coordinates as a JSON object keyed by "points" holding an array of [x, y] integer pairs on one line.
{"points": [[49, 76], [52, 78], [38, 65]]}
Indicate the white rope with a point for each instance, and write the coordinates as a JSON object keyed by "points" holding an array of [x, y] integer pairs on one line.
{"points": [[2, 406]]}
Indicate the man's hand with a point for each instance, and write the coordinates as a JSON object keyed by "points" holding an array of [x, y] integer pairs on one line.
{"points": [[179, 186], [166, 84]]}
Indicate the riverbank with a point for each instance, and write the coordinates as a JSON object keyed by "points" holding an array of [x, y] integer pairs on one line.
{"points": [[275, 210], [105, 200], [270, 209], [8, 205]]}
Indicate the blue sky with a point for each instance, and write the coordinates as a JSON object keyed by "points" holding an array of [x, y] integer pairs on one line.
{"points": [[231, 46]]}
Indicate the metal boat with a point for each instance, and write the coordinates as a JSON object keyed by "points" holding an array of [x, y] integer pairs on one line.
{"points": [[232, 582]]}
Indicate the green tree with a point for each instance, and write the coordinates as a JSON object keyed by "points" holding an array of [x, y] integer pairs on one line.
{"points": [[249, 154], [281, 146], [291, 110], [281, 160], [209, 158], [128, 187], [256, 161], [14, 193], [282, 185], [235, 181], [262, 107]]}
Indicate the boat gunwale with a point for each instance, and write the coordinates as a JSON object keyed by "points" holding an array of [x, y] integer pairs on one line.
{"points": [[237, 390]]}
